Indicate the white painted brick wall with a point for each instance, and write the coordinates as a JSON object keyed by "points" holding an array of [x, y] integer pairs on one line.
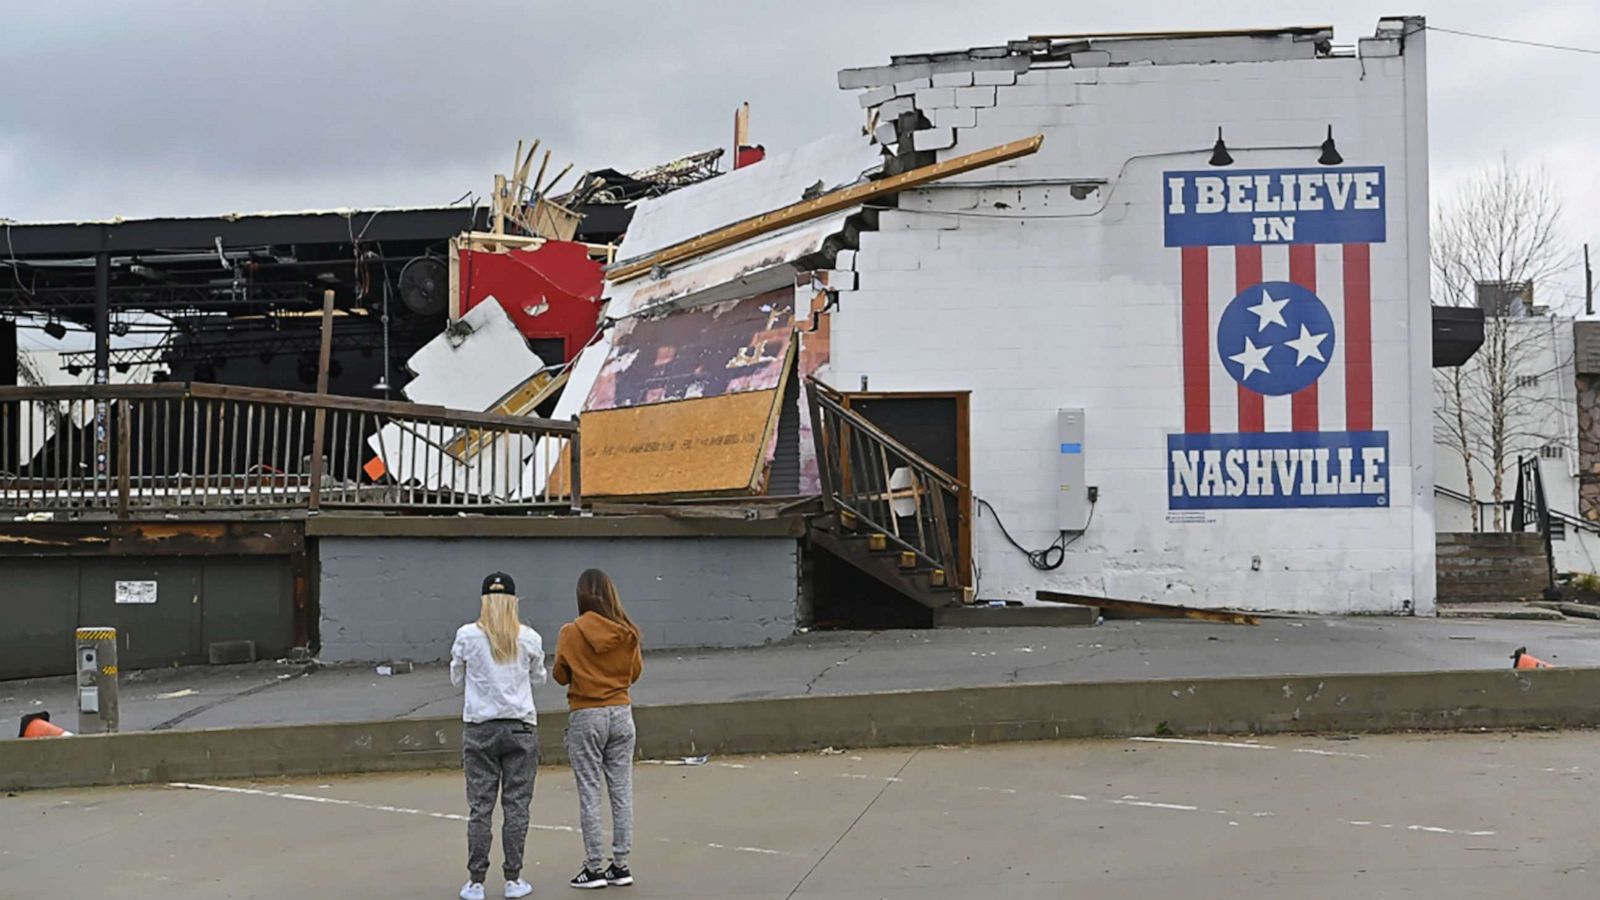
{"points": [[993, 78], [975, 96], [1051, 300], [895, 107], [874, 96], [910, 86], [933, 139], [958, 79], [933, 98], [955, 117]]}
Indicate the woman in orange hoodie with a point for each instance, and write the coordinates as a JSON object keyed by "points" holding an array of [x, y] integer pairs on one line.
{"points": [[598, 659]]}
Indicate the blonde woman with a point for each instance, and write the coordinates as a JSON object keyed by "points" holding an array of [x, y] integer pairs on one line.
{"points": [[597, 658], [501, 661]]}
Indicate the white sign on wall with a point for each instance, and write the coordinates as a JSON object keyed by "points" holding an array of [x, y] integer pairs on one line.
{"points": [[136, 592]]}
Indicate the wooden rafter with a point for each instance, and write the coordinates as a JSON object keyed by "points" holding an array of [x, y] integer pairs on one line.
{"points": [[827, 203]]}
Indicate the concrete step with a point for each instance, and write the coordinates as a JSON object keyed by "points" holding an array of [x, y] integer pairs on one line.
{"points": [[1518, 611], [1054, 615]]}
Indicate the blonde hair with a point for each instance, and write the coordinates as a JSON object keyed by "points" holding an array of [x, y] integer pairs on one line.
{"points": [[498, 618]]}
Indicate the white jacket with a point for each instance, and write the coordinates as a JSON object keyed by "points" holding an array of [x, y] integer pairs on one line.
{"points": [[496, 690]]}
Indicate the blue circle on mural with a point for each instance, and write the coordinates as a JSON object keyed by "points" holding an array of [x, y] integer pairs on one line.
{"points": [[1275, 338]]}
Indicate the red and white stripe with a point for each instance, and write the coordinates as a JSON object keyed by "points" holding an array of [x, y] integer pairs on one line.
{"points": [[1341, 400]]}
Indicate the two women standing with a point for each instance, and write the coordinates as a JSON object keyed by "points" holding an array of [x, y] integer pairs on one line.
{"points": [[500, 661]]}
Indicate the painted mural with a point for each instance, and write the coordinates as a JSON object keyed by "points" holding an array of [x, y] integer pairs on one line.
{"points": [[1295, 348], [705, 351]]}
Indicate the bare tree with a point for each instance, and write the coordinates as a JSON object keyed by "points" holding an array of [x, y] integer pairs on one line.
{"points": [[1501, 228]]}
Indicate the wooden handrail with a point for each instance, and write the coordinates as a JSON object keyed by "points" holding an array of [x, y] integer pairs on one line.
{"points": [[826, 398], [184, 390]]}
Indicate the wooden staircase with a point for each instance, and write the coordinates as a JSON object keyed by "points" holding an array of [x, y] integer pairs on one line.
{"points": [[899, 570], [887, 509]]}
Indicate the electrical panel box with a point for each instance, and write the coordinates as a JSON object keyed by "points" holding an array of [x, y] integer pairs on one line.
{"points": [[1072, 500]]}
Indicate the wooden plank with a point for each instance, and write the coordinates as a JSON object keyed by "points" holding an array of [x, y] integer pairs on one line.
{"points": [[521, 401], [455, 278], [827, 203], [700, 446], [499, 222], [484, 241], [758, 479], [1144, 609], [553, 220], [675, 511]]}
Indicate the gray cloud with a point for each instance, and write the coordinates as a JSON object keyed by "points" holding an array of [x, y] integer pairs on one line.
{"points": [[183, 107]]}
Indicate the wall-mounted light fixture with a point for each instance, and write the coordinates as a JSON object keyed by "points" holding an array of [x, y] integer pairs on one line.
{"points": [[1330, 154]]}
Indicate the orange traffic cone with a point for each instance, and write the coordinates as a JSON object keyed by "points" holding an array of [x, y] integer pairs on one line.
{"points": [[37, 725], [1522, 659]]}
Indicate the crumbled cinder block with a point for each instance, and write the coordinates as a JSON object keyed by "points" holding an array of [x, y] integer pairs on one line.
{"points": [[911, 86], [895, 107], [933, 98], [955, 79], [955, 117], [933, 139], [875, 96], [974, 96], [994, 78]]}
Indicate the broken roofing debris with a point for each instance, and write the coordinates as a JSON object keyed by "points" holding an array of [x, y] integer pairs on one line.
{"points": [[681, 380]]}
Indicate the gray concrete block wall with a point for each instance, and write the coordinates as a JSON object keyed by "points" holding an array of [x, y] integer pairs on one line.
{"points": [[388, 598]]}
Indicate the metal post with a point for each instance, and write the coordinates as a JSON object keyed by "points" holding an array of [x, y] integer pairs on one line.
{"points": [[1588, 283], [102, 365], [575, 465], [10, 370], [97, 681], [319, 426]]}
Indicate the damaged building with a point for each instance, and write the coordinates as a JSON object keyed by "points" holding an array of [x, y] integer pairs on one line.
{"points": [[1178, 351], [1137, 317]]}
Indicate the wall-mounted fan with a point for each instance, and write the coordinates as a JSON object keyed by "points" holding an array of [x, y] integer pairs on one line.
{"points": [[425, 285]]}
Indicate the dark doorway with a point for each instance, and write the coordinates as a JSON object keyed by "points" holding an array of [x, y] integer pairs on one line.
{"points": [[935, 427]]}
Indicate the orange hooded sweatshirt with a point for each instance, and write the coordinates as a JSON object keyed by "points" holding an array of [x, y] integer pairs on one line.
{"points": [[598, 660]]}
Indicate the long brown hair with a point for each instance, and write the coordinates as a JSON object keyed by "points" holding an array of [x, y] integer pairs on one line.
{"points": [[497, 616], [598, 594]]}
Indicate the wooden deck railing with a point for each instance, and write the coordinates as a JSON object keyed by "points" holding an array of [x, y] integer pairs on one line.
{"points": [[875, 483], [127, 450]]}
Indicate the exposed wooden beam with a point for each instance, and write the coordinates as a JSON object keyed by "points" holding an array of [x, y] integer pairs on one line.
{"points": [[831, 202], [1144, 609]]}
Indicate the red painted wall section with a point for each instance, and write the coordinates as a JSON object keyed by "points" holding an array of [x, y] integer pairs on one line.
{"points": [[552, 291], [748, 156]]}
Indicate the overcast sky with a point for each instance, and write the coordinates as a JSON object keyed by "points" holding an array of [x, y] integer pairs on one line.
{"points": [[152, 107]]}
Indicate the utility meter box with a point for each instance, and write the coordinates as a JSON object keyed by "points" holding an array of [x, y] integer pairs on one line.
{"points": [[97, 680], [1072, 499]]}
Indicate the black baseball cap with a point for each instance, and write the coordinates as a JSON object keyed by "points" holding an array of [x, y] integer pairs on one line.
{"points": [[499, 583]]}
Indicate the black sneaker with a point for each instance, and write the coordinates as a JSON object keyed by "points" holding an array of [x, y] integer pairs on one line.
{"points": [[588, 881], [618, 876]]}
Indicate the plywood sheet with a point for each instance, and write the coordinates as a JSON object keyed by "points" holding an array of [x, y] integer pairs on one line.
{"points": [[700, 446]]}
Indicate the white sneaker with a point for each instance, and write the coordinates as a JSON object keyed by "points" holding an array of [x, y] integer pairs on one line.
{"points": [[518, 888], [472, 890]]}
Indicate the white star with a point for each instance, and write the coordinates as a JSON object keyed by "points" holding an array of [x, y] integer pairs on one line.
{"points": [[1268, 312], [1308, 346], [1253, 358]]}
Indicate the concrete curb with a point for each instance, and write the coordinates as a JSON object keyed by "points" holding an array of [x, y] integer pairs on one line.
{"points": [[1256, 705]]}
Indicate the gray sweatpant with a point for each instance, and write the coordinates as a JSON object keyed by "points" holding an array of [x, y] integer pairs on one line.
{"points": [[600, 746], [499, 757]]}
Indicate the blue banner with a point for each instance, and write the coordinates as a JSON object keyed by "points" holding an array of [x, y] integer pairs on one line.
{"points": [[1218, 207], [1278, 470]]}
